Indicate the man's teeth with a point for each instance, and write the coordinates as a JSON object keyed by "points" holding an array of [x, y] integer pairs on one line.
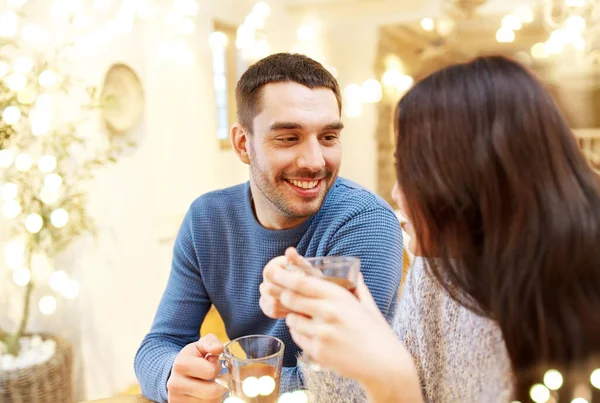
{"points": [[304, 185]]}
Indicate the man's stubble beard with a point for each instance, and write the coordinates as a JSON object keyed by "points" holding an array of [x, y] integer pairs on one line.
{"points": [[273, 192]]}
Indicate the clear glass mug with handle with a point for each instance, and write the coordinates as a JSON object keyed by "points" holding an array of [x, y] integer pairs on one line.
{"points": [[253, 369], [341, 270]]}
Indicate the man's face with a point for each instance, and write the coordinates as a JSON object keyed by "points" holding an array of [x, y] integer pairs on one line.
{"points": [[295, 150]]}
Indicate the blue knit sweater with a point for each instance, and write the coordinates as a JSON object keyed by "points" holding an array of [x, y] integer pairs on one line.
{"points": [[219, 255]]}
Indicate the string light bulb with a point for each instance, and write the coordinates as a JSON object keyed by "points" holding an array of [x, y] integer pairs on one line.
{"points": [[575, 23], [306, 33], [553, 379], [9, 191], [16, 82], [244, 37], [11, 115], [48, 196], [59, 218], [34, 223], [511, 22], [539, 393], [26, 96], [58, 280], [40, 121], [371, 91], [353, 92], [47, 163], [254, 20], [11, 209], [23, 162], [353, 109], [217, 40], [52, 182], [525, 14], [47, 305], [47, 78], [505, 35], [595, 378], [428, 24], [34, 34], [261, 8], [538, 51], [21, 277], [70, 289]]}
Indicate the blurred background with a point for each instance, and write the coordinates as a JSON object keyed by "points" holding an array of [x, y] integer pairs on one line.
{"points": [[115, 117]]}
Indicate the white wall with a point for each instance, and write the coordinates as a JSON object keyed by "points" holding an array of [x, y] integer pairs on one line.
{"points": [[352, 49], [138, 203]]}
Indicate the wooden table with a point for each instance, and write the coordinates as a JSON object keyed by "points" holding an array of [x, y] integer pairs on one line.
{"points": [[122, 399]]}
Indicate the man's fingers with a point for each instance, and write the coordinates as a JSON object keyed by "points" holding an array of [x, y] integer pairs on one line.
{"points": [[209, 344], [272, 308], [299, 262], [270, 289], [273, 266], [196, 367], [196, 388], [302, 341]]}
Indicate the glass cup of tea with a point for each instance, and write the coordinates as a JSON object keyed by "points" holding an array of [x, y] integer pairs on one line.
{"points": [[341, 270], [253, 369]]}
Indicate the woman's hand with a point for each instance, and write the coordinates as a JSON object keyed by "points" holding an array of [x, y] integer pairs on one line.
{"points": [[345, 332]]}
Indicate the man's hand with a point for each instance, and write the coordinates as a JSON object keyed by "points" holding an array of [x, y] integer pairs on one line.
{"points": [[269, 291], [192, 375]]}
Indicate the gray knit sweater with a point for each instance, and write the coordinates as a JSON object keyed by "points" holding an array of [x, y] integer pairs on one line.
{"points": [[460, 356]]}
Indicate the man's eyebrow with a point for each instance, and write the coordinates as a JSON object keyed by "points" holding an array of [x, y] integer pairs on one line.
{"points": [[334, 126], [293, 125], [284, 126]]}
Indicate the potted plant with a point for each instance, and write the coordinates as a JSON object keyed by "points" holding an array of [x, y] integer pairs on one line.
{"points": [[46, 158]]}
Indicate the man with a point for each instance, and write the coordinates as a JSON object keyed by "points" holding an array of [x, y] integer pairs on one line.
{"points": [[289, 133]]}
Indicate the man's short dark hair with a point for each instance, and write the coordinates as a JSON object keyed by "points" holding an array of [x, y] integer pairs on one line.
{"points": [[277, 68]]}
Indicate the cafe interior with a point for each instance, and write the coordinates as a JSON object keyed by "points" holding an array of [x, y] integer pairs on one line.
{"points": [[137, 99]]}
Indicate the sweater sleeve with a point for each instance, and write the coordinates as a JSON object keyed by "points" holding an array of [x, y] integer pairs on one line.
{"points": [[177, 322], [375, 237]]}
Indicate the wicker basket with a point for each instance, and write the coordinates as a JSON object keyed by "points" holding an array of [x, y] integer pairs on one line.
{"points": [[49, 382]]}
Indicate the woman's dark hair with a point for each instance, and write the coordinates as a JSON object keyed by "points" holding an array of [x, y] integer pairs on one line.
{"points": [[498, 190]]}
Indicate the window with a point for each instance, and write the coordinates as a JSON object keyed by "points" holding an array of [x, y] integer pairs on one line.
{"points": [[228, 66]]}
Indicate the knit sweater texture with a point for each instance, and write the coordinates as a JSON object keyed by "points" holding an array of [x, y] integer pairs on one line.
{"points": [[219, 256]]}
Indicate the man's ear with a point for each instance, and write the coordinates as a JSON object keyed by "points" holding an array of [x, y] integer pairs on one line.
{"points": [[240, 138]]}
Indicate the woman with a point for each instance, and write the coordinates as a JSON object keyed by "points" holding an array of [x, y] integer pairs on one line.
{"points": [[505, 212]]}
